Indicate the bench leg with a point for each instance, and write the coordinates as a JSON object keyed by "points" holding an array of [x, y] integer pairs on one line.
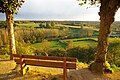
{"points": [[64, 74], [21, 72], [64, 70]]}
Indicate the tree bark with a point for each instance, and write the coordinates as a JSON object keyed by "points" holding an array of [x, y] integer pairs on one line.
{"points": [[9, 20], [107, 13]]}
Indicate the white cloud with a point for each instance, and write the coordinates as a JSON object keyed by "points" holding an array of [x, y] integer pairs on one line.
{"points": [[117, 16], [58, 9]]}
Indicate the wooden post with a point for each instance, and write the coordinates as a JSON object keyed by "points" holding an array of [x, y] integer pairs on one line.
{"points": [[64, 70], [21, 62]]}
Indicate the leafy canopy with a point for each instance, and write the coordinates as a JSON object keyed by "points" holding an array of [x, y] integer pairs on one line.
{"points": [[109, 3], [90, 2], [11, 6]]}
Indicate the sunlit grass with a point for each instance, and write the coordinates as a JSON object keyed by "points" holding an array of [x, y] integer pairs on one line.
{"points": [[113, 40], [53, 45], [28, 25], [82, 42], [6, 56]]}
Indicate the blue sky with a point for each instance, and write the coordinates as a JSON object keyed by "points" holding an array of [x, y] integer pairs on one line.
{"points": [[57, 10]]}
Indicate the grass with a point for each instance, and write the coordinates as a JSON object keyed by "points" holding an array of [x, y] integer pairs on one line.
{"points": [[82, 42], [81, 39], [57, 44], [28, 25], [53, 45], [113, 40], [6, 56], [45, 73]]}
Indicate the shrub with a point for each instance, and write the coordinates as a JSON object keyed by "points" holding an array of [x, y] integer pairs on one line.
{"points": [[29, 35], [69, 44], [5, 56], [55, 78], [39, 52], [113, 55], [23, 48], [4, 49], [57, 52], [44, 49], [84, 54]]}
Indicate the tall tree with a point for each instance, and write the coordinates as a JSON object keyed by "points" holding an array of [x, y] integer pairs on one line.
{"points": [[10, 7], [107, 12]]}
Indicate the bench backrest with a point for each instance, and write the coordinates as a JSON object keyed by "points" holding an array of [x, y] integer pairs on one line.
{"points": [[46, 61]]}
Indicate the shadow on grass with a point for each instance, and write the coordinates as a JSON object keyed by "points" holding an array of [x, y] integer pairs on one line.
{"points": [[10, 75], [80, 74], [2, 60], [92, 40]]}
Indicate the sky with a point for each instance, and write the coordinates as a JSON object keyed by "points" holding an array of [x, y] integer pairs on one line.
{"points": [[57, 10]]}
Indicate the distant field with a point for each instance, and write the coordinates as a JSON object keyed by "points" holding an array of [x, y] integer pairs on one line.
{"points": [[114, 40], [53, 45], [28, 25], [81, 42]]}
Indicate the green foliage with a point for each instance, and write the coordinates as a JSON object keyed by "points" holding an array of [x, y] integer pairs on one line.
{"points": [[55, 78], [115, 68], [23, 48], [10, 5], [29, 35], [47, 25], [53, 24], [45, 45], [90, 2], [35, 35], [5, 56], [83, 54], [44, 49], [4, 49], [39, 52], [57, 52], [114, 53], [70, 45], [3, 24], [42, 25], [26, 25]]}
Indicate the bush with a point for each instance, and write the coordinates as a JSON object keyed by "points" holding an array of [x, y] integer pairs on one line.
{"points": [[84, 54], [57, 52], [39, 52], [35, 35], [113, 55], [44, 49], [4, 49], [23, 48], [5, 56]]}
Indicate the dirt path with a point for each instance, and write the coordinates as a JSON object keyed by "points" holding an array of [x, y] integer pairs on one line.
{"points": [[42, 73]]}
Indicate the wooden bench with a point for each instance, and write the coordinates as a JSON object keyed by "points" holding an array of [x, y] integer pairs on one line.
{"points": [[46, 61]]}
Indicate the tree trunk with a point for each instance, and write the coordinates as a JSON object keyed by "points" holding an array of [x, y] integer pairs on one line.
{"points": [[107, 13], [9, 20]]}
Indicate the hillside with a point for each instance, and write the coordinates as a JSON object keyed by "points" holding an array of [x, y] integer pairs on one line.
{"points": [[42, 73]]}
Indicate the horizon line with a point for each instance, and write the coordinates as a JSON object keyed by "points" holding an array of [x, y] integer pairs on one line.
{"points": [[53, 20]]}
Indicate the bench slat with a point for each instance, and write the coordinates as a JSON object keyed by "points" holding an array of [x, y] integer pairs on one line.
{"points": [[47, 63], [46, 57], [50, 64], [17, 61], [16, 55]]}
